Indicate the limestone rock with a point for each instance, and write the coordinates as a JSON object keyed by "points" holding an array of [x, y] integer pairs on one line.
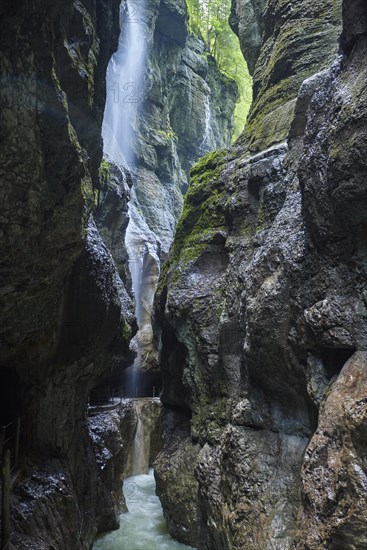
{"points": [[289, 41], [262, 302], [63, 304], [334, 472]]}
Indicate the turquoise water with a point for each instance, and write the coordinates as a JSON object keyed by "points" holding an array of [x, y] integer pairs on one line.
{"points": [[143, 527]]}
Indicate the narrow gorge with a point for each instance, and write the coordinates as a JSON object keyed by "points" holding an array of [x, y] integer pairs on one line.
{"points": [[183, 274]]}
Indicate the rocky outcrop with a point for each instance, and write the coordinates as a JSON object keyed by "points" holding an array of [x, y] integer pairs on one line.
{"points": [[247, 22], [188, 110], [334, 467], [111, 214], [272, 38], [262, 312], [64, 308]]}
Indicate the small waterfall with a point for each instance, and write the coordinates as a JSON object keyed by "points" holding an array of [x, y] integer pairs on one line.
{"points": [[205, 145], [146, 436]]}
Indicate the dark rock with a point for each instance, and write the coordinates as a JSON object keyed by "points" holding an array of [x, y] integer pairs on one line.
{"points": [[334, 471], [247, 22], [263, 301], [115, 447], [284, 59], [64, 311]]}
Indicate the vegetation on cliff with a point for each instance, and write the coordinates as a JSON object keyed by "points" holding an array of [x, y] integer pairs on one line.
{"points": [[209, 19]]}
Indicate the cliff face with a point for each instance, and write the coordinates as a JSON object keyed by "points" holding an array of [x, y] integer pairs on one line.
{"points": [[125, 442], [185, 110], [188, 111], [66, 315], [273, 40], [63, 304], [262, 307]]}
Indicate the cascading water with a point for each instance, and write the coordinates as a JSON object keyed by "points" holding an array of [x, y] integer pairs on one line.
{"points": [[205, 145], [125, 91], [143, 527], [124, 87], [138, 460]]}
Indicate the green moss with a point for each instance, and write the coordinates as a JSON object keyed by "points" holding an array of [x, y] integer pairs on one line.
{"points": [[281, 74], [202, 216], [104, 172], [169, 135], [126, 330]]}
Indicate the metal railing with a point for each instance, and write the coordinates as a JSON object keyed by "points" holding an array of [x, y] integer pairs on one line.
{"points": [[105, 396], [114, 396]]}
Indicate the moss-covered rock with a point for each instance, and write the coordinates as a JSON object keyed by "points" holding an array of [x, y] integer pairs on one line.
{"points": [[299, 39], [64, 308], [257, 329]]}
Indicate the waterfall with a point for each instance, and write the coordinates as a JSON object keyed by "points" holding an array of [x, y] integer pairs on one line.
{"points": [[124, 87], [205, 145], [138, 459], [125, 91], [146, 436]]}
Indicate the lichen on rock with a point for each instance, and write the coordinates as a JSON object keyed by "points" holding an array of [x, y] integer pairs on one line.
{"points": [[262, 341]]}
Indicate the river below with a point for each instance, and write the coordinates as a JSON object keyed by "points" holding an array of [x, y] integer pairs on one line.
{"points": [[143, 527]]}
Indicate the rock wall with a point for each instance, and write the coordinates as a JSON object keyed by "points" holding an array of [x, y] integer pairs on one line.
{"points": [[64, 308], [182, 85], [186, 108], [273, 39], [261, 306], [66, 313], [113, 434]]}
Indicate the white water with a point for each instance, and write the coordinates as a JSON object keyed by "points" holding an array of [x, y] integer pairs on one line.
{"points": [[143, 527], [124, 86], [125, 91], [205, 145]]}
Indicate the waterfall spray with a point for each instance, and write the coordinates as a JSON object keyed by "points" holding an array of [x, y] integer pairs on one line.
{"points": [[125, 91], [205, 144], [124, 87]]}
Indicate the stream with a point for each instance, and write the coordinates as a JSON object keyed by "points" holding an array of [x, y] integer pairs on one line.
{"points": [[143, 527]]}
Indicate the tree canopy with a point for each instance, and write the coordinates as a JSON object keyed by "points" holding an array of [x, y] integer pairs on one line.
{"points": [[209, 19]]}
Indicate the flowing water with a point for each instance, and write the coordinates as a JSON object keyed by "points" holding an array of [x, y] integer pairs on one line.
{"points": [[125, 94], [205, 145], [143, 527], [124, 86]]}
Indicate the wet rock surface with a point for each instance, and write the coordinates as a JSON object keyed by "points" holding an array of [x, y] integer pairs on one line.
{"points": [[272, 37], [185, 109], [263, 323], [188, 110], [63, 303], [334, 472]]}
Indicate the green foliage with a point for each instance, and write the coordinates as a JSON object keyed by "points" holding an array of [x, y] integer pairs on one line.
{"points": [[168, 136], [209, 19]]}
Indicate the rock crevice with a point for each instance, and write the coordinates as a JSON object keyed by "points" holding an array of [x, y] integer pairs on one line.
{"points": [[263, 301]]}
